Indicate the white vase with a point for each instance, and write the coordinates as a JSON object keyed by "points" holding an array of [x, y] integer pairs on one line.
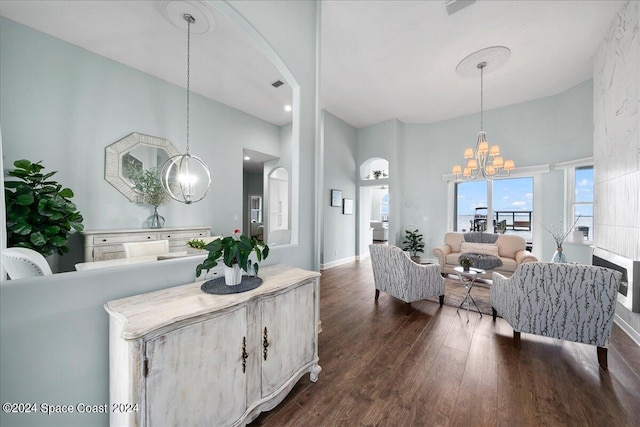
{"points": [[232, 275]]}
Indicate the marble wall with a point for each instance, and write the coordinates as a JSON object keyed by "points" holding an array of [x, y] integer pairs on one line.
{"points": [[616, 140]]}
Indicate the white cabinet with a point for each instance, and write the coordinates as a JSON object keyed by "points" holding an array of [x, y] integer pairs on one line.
{"points": [[102, 245], [190, 358], [177, 363]]}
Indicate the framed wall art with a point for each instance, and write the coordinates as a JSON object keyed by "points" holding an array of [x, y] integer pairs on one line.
{"points": [[336, 198], [347, 206]]}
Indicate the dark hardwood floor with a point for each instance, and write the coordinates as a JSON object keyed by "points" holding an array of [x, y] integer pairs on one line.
{"points": [[382, 367]]}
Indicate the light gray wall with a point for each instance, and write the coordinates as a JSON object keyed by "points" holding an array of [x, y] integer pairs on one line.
{"points": [[54, 330], [339, 232], [616, 104], [290, 28], [64, 105], [544, 131]]}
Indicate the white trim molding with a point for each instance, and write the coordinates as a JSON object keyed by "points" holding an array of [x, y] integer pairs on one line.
{"points": [[627, 328], [337, 263], [515, 173], [586, 161]]}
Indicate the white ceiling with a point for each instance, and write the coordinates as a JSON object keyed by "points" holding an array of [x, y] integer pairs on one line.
{"points": [[397, 59], [380, 59], [225, 64]]}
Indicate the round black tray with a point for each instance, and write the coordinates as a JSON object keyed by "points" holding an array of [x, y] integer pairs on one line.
{"points": [[219, 287]]}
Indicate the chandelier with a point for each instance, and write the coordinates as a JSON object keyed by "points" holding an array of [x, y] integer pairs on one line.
{"points": [[485, 162], [186, 178]]}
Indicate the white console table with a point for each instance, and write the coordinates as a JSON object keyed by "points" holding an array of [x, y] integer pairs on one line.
{"points": [[185, 357], [101, 245]]}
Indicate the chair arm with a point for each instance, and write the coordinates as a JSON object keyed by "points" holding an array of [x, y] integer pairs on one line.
{"points": [[441, 252], [424, 281], [524, 256], [499, 292]]}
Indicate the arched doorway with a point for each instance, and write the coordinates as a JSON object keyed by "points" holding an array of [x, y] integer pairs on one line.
{"points": [[373, 204]]}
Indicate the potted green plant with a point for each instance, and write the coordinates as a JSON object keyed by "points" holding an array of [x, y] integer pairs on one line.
{"points": [[465, 262], [196, 244], [235, 252], [149, 187], [40, 214], [377, 174], [413, 243]]}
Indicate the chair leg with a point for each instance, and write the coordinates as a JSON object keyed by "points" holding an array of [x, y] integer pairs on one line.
{"points": [[377, 294], [408, 307], [602, 358], [494, 313], [441, 297], [516, 339]]}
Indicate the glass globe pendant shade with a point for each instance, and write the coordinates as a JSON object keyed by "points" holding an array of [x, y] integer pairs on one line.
{"points": [[186, 178]]}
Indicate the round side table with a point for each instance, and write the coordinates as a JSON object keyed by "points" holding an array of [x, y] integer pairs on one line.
{"points": [[467, 278]]}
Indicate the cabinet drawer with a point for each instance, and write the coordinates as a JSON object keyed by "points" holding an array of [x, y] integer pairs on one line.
{"points": [[185, 235], [111, 239]]}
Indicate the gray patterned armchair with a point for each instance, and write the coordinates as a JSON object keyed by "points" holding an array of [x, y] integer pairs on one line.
{"points": [[395, 274], [567, 301]]}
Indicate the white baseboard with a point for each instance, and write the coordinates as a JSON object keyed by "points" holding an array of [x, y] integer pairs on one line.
{"points": [[337, 263], [361, 257], [633, 334]]}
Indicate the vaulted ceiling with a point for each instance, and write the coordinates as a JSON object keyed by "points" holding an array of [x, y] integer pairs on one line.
{"points": [[379, 59]]}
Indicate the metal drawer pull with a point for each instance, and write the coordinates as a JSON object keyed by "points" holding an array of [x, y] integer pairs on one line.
{"points": [[245, 355], [265, 343]]}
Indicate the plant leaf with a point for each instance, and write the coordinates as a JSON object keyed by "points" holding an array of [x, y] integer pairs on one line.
{"points": [[25, 199], [66, 192], [38, 239]]}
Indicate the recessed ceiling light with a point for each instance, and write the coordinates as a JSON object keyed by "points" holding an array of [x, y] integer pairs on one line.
{"points": [[247, 158], [287, 108]]}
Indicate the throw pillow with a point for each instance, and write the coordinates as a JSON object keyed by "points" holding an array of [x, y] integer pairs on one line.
{"points": [[480, 248]]}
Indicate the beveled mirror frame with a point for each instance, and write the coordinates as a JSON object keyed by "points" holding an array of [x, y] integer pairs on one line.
{"points": [[113, 159]]}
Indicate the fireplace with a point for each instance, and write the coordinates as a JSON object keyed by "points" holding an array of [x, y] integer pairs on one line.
{"points": [[629, 292]]}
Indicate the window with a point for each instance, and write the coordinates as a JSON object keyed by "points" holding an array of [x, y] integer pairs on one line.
{"points": [[578, 176], [384, 208], [513, 206], [581, 207], [471, 197], [510, 210]]}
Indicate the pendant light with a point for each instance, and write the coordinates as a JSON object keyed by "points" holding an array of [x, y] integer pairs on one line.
{"points": [[486, 161], [186, 178]]}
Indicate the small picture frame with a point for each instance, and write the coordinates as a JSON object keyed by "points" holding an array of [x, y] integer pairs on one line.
{"points": [[347, 206], [336, 198]]}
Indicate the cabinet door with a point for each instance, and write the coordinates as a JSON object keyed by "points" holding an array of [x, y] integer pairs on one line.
{"points": [[289, 319], [195, 374]]}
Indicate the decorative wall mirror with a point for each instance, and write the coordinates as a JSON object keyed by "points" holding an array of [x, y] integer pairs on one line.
{"points": [[134, 152]]}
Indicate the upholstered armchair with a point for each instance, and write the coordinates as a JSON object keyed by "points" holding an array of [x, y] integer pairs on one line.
{"points": [[24, 262], [395, 274], [567, 301]]}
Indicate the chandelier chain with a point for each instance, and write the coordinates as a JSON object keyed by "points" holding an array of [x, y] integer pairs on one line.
{"points": [[189, 19], [481, 97]]}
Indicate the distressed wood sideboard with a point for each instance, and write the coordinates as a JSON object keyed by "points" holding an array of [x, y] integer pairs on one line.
{"points": [[101, 245], [184, 357]]}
